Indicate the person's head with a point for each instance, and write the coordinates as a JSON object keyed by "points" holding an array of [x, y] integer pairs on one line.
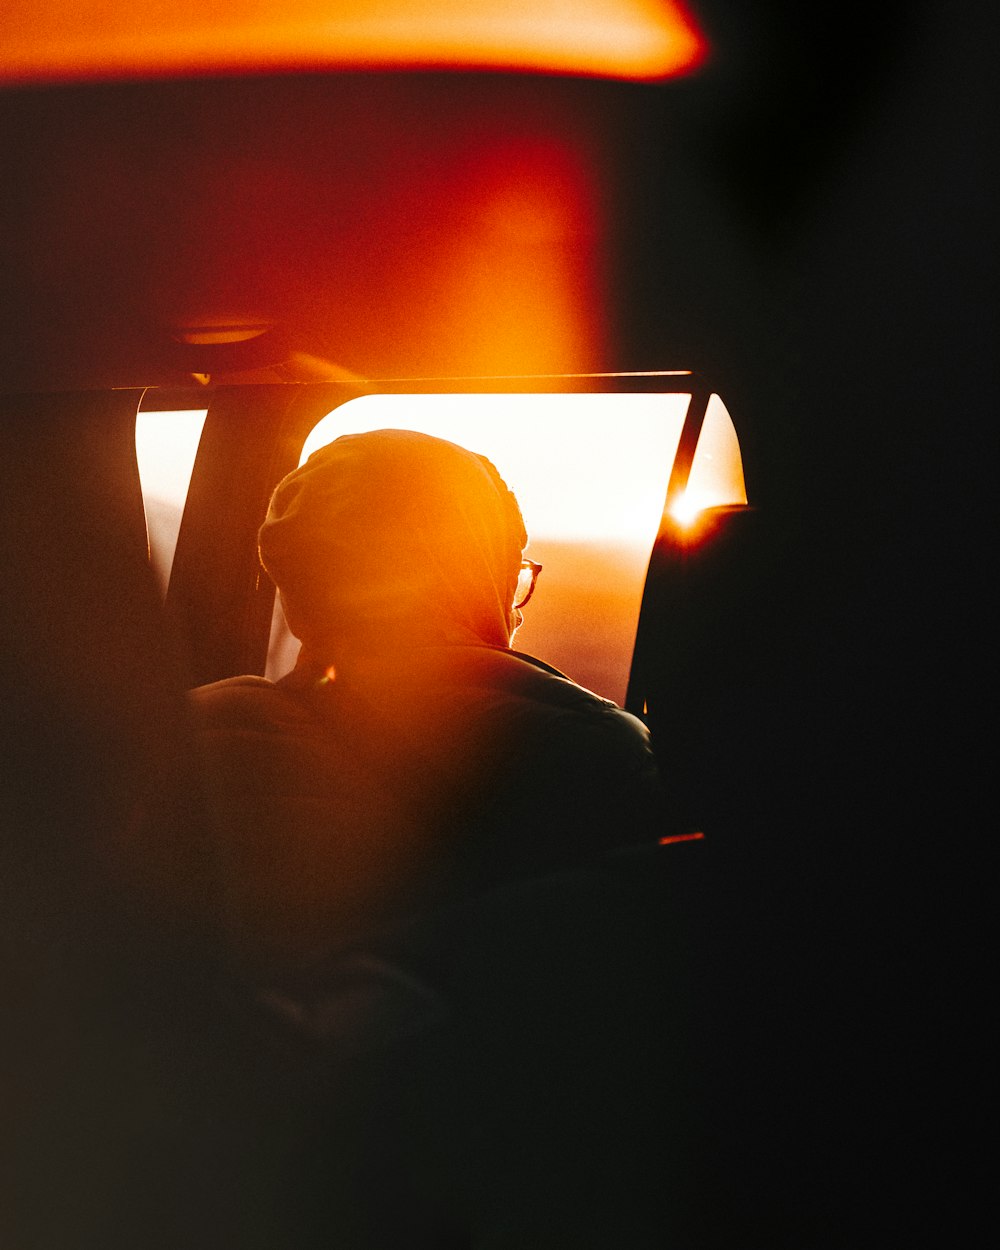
{"points": [[391, 538]]}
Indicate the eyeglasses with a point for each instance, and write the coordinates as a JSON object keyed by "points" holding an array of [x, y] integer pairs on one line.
{"points": [[526, 580]]}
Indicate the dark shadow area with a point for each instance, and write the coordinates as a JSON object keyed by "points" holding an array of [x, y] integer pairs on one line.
{"points": [[810, 224], [838, 748]]}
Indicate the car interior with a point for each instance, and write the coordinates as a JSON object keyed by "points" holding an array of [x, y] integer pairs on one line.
{"points": [[712, 287]]}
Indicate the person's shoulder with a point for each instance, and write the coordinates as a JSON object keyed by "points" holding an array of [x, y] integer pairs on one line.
{"points": [[585, 726], [550, 695], [580, 756], [543, 681]]}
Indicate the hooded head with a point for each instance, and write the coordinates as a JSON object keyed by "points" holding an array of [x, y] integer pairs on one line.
{"points": [[394, 538]]}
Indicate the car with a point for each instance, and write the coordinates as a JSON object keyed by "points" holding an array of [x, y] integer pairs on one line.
{"points": [[268, 227]]}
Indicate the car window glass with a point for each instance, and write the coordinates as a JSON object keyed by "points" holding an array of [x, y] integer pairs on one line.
{"points": [[166, 444], [590, 472]]}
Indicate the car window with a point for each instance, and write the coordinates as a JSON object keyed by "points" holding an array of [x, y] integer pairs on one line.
{"points": [[166, 444], [590, 472]]}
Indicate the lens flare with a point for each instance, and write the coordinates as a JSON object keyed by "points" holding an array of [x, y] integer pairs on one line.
{"points": [[716, 476], [105, 39], [686, 507]]}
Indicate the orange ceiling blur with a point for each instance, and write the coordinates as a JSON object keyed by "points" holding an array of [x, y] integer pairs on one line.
{"points": [[55, 41]]}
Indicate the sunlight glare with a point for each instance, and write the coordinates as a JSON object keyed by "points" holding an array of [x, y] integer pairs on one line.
{"points": [[589, 468], [166, 444], [716, 476], [105, 39], [590, 472]]}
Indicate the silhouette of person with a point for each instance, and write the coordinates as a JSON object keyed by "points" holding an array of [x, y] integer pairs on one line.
{"points": [[411, 758], [449, 997]]}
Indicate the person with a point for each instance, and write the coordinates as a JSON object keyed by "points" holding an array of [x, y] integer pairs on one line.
{"points": [[449, 998], [411, 758]]}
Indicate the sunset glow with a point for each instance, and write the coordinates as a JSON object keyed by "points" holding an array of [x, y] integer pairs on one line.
{"points": [[716, 476], [590, 472], [589, 468], [586, 467], [108, 39], [166, 444], [516, 283]]}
